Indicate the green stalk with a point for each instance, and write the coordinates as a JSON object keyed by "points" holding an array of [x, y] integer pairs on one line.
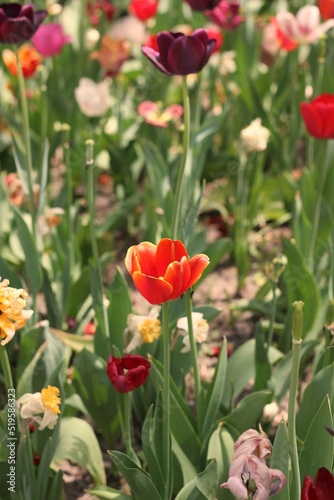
{"points": [[272, 317], [297, 320], [127, 425], [91, 209], [166, 441], [194, 360], [317, 210], [69, 191], [185, 157], [6, 368], [26, 138]]}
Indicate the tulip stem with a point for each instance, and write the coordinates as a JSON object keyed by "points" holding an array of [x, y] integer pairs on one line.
{"points": [[296, 488], [194, 360], [26, 136], [166, 402], [7, 372], [185, 158], [317, 210]]}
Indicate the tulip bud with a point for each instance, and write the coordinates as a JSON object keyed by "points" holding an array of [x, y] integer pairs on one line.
{"points": [[297, 320]]}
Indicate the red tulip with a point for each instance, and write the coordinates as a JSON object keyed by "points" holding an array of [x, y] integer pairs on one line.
{"points": [[97, 8], [143, 9], [321, 489], [19, 22], [181, 54], [201, 5], [129, 372], [226, 14], [318, 116], [163, 272], [326, 8]]}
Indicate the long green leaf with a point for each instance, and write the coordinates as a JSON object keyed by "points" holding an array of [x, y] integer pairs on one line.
{"points": [[280, 458], [203, 486]]}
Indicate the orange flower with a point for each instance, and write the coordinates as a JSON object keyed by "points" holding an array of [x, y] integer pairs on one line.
{"points": [[29, 59], [112, 54], [163, 272]]}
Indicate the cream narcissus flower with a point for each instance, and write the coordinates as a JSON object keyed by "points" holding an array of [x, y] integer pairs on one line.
{"points": [[13, 315], [200, 327], [41, 407], [255, 137], [143, 329]]}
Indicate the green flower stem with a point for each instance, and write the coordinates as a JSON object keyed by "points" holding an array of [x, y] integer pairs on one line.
{"points": [[26, 137], [91, 208], [166, 438], [317, 210], [241, 220], [194, 360], [297, 328], [186, 155], [6, 368], [272, 316], [69, 191], [127, 425]]}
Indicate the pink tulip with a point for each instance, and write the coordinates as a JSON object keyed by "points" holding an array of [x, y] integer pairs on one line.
{"points": [[49, 39]]}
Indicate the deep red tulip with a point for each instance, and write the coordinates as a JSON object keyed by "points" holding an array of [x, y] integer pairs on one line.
{"points": [[321, 489], [98, 8], [19, 22], [201, 5], [181, 54], [143, 9], [326, 8], [128, 372], [163, 272], [226, 14], [318, 116]]}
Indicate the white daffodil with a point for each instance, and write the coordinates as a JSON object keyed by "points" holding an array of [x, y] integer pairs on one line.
{"points": [[143, 329], [255, 137], [41, 407], [200, 328]]}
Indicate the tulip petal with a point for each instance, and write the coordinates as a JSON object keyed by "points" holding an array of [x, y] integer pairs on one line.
{"points": [[178, 274], [186, 55], [168, 251], [142, 258], [153, 56], [324, 483], [154, 290], [197, 265], [164, 41]]}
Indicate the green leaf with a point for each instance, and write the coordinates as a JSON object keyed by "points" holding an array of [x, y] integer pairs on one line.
{"points": [[157, 170], [318, 447], [33, 263], [138, 480], [78, 443], [215, 393], [216, 251], [314, 394], [247, 412], [74, 341], [280, 458], [187, 468], [262, 365], [151, 442], [25, 383], [107, 493], [93, 386], [203, 486], [119, 309], [221, 447]]}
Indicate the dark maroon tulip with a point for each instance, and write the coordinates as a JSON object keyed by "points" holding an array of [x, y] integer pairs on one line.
{"points": [[19, 22], [226, 14], [202, 4], [181, 54], [321, 489], [128, 372]]}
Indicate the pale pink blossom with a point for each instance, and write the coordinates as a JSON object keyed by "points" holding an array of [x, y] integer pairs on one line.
{"points": [[92, 98], [155, 115]]}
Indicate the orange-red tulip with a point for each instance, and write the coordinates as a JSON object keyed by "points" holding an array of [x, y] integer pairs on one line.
{"points": [[163, 272], [29, 59]]}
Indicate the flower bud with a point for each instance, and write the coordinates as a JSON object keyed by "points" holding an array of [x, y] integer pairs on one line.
{"points": [[297, 320]]}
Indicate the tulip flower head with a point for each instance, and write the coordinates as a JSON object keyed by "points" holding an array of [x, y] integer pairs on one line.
{"points": [[41, 407], [112, 54], [92, 98], [326, 8], [19, 22], [180, 54], [128, 373], [143, 329], [13, 314], [226, 15], [49, 39], [303, 28], [154, 115], [321, 489], [29, 60], [163, 272], [318, 116], [201, 5], [143, 9], [98, 8]]}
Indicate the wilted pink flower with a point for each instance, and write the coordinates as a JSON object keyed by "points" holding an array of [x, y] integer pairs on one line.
{"points": [[226, 15], [303, 28], [92, 98], [49, 39], [154, 115]]}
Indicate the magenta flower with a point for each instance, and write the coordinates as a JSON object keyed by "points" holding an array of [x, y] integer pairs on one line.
{"points": [[226, 15], [201, 5], [49, 39], [181, 54], [19, 22]]}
